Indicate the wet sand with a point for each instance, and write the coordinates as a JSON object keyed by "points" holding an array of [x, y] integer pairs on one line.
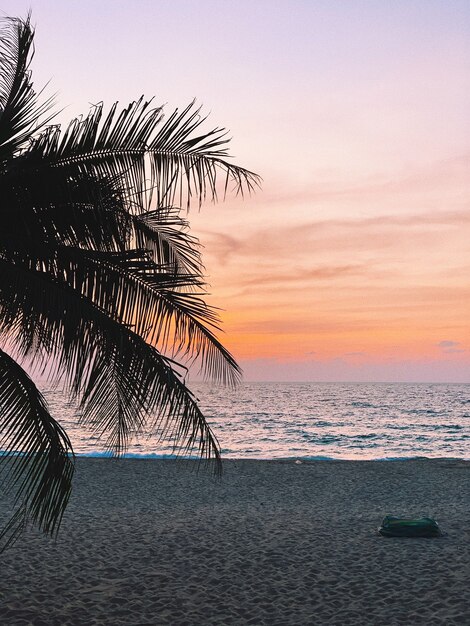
{"points": [[273, 542]]}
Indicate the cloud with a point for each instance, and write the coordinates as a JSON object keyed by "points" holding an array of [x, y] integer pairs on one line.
{"points": [[450, 347], [222, 246], [325, 272], [309, 241], [398, 261]]}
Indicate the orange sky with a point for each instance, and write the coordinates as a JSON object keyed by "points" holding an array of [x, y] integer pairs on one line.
{"points": [[369, 289]]}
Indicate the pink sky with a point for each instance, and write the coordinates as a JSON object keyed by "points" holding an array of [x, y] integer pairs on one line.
{"points": [[353, 262]]}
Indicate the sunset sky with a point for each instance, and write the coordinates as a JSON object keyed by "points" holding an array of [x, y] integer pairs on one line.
{"points": [[353, 260]]}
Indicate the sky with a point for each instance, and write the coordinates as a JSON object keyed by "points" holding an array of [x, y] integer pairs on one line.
{"points": [[352, 262]]}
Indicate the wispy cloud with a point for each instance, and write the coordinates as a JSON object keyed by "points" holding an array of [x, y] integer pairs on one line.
{"points": [[346, 234], [421, 250], [301, 275], [451, 347]]}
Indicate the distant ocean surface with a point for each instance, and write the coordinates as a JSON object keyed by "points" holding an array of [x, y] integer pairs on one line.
{"points": [[313, 420]]}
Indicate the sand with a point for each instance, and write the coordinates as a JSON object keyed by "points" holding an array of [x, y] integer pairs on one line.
{"points": [[154, 542]]}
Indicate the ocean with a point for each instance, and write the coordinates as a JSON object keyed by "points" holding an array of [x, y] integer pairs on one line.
{"points": [[312, 421]]}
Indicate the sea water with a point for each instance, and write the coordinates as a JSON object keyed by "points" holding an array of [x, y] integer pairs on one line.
{"points": [[312, 420]]}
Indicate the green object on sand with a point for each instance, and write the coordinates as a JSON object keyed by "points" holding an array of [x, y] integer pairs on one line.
{"points": [[414, 527]]}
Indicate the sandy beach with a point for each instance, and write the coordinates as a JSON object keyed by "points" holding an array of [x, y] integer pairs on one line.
{"points": [[154, 542]]}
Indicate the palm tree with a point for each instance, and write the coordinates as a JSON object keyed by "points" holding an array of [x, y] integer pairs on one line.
{"points": [[100, 283]]}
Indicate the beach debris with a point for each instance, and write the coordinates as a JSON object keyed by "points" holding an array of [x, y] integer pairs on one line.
{"points": [[298, 462], [409, 527]]}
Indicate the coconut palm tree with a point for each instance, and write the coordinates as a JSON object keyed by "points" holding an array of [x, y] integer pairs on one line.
{"points": [[101, 285]]}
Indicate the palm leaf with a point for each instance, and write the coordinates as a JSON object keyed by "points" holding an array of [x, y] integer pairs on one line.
{"points": [[127, 373], [20, 112], [134, 291], [42, 208], [120, 379], [164, 233], [156, 162], [36, 454]]}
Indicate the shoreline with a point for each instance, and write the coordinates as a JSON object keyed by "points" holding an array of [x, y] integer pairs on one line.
{"points": [[304, 459], [273, 542], [287, 459]]}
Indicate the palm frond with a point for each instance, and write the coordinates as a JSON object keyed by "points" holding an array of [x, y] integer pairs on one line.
{"points": [[20, 111], [128, 374], [133, 290], [41, 209], [157, 162], [120, 379], [37, 456], [164, 233]]}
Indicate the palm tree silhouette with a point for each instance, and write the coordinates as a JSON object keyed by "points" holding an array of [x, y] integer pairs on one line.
{"points": [[100, 283]]}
